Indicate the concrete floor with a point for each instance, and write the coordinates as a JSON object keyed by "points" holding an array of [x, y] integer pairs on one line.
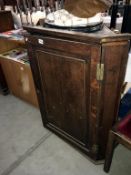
{"points": [[26, 148]]}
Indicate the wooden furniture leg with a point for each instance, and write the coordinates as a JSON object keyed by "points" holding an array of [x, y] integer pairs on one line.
{"points": [[110, 150]]}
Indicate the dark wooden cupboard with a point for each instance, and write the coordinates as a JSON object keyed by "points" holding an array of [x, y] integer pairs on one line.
{"points": [[78, 79]]}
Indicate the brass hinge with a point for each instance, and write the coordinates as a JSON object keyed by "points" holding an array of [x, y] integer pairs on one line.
{"points": [[100, 72]]}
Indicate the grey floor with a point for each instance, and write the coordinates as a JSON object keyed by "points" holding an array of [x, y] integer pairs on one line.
{"points": [[26, 148]]}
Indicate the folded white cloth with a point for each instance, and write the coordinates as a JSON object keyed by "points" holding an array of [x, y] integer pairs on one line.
{"points": [[64, 18]]}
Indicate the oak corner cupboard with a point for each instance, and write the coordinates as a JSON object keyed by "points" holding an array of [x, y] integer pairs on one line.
{"points": [[78, 79]]}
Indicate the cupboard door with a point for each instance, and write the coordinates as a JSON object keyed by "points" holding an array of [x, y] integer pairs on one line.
{"points": [[65, 83]]}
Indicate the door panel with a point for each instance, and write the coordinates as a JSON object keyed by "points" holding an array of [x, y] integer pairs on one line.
{"points": [[65, 86], [74, 97]]}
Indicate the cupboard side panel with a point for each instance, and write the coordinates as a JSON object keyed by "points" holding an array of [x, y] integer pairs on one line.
{"points": [[114, 57]]}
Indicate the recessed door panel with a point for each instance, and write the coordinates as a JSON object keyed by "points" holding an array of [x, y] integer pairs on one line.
{"points": [[65, 86], [75, 89]]}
